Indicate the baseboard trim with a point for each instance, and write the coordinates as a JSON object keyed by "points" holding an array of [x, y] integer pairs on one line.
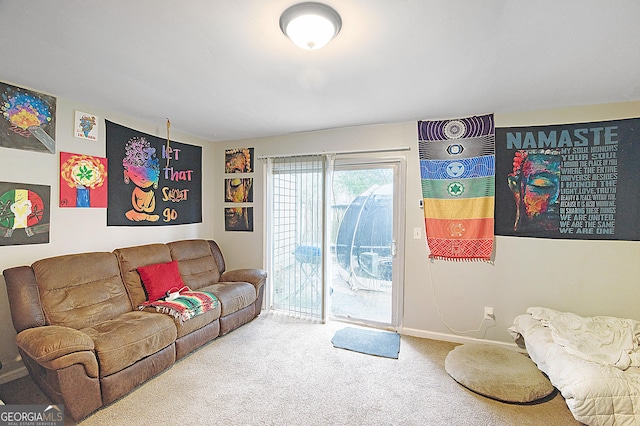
{"points": [[12, 375], [456, 339]]}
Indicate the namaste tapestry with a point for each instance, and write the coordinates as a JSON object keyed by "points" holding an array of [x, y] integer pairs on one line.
{"points": [[569, 181], [457, 170]]}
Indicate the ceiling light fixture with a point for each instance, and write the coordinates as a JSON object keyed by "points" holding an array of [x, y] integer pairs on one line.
{"points": [[310, 25]]}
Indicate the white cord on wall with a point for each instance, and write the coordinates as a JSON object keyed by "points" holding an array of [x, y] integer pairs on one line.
{"points": [[435, 300]]}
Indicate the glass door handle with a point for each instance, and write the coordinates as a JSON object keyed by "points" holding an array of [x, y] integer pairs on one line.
{"points": [[394, 248]]}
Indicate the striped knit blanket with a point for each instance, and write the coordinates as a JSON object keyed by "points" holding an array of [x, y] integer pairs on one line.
{"points": [[186, 306]]}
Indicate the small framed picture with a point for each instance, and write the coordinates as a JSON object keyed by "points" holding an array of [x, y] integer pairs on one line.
{"points": [[238, 190], [86, 126], [238, 160], [238, 219]]}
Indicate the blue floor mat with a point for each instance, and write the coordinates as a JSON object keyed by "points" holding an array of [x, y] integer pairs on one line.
{"points": [[372, 342]]}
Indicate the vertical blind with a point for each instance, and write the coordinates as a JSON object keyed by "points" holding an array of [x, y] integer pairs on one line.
{"points": [[295, 234]]}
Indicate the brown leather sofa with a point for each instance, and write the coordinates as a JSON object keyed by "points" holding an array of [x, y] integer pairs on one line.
{"points": [[80, 332]]}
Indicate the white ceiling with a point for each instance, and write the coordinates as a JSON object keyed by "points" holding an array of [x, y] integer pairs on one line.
{"points": [[222, 69]]}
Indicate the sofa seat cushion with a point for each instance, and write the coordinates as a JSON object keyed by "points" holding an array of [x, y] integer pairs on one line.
{"points": [[197, 322], [130, 337], [233, 296]]}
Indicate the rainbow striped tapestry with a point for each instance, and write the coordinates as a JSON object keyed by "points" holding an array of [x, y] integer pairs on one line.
{"points": [[457, 171]]}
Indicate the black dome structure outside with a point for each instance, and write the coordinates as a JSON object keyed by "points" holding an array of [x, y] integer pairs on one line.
{"points": [[363, 243]]}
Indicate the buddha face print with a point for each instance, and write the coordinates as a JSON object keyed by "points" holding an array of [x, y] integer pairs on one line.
{"points": [[535, 184]]}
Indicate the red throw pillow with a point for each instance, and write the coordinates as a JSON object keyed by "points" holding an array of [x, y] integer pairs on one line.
{"points": [[160, 278]]}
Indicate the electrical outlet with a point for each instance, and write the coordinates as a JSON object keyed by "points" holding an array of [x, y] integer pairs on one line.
{"points": [[488, 313], [417, 233]]}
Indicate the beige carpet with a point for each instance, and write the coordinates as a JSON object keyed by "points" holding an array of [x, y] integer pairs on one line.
{"points": [[282, 371]]}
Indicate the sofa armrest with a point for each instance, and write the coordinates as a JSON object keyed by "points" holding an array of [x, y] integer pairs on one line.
{"points": [[55, 347], [24, 299], [257, 277]]}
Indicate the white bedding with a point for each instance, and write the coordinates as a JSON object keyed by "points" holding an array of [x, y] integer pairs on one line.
{"points": [[596, 388], [607, 340]]}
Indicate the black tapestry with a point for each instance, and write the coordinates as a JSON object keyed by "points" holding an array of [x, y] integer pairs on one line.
{"points": [[569, 181], [152, 181]]}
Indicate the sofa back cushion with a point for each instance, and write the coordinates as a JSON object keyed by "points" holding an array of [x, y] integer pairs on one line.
{"points": [[195, 262], [131, 258], [160, 279], [80, 290]]}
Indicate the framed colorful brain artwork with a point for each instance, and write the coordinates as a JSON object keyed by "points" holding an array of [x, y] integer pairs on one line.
{"points": [[27, 119]]}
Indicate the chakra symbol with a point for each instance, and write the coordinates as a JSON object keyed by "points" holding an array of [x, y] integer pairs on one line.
{"points": [[456, 229], [455, 189], [455, 169], [455, 129], [456, 249], [455, 149]]}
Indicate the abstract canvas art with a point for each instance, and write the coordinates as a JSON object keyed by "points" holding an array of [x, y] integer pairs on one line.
{"points": [[28, 119], [24, 213]]}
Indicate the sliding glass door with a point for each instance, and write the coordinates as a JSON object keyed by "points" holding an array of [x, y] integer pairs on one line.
{"points": [[295, 237], [364, 280], [333, 238]]}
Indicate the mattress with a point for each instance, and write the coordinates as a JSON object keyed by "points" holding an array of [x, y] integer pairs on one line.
{"points": [[596, 393]]}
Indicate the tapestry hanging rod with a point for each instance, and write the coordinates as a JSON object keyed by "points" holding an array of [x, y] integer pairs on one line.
{"points": [[363, 151]]}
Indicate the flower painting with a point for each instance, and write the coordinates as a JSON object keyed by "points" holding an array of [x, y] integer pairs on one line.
{"points": [[83, 180]]}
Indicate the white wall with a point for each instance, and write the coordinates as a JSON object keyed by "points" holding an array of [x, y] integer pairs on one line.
{"points": [[589, 278], [76, 230], [586, 277]]}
